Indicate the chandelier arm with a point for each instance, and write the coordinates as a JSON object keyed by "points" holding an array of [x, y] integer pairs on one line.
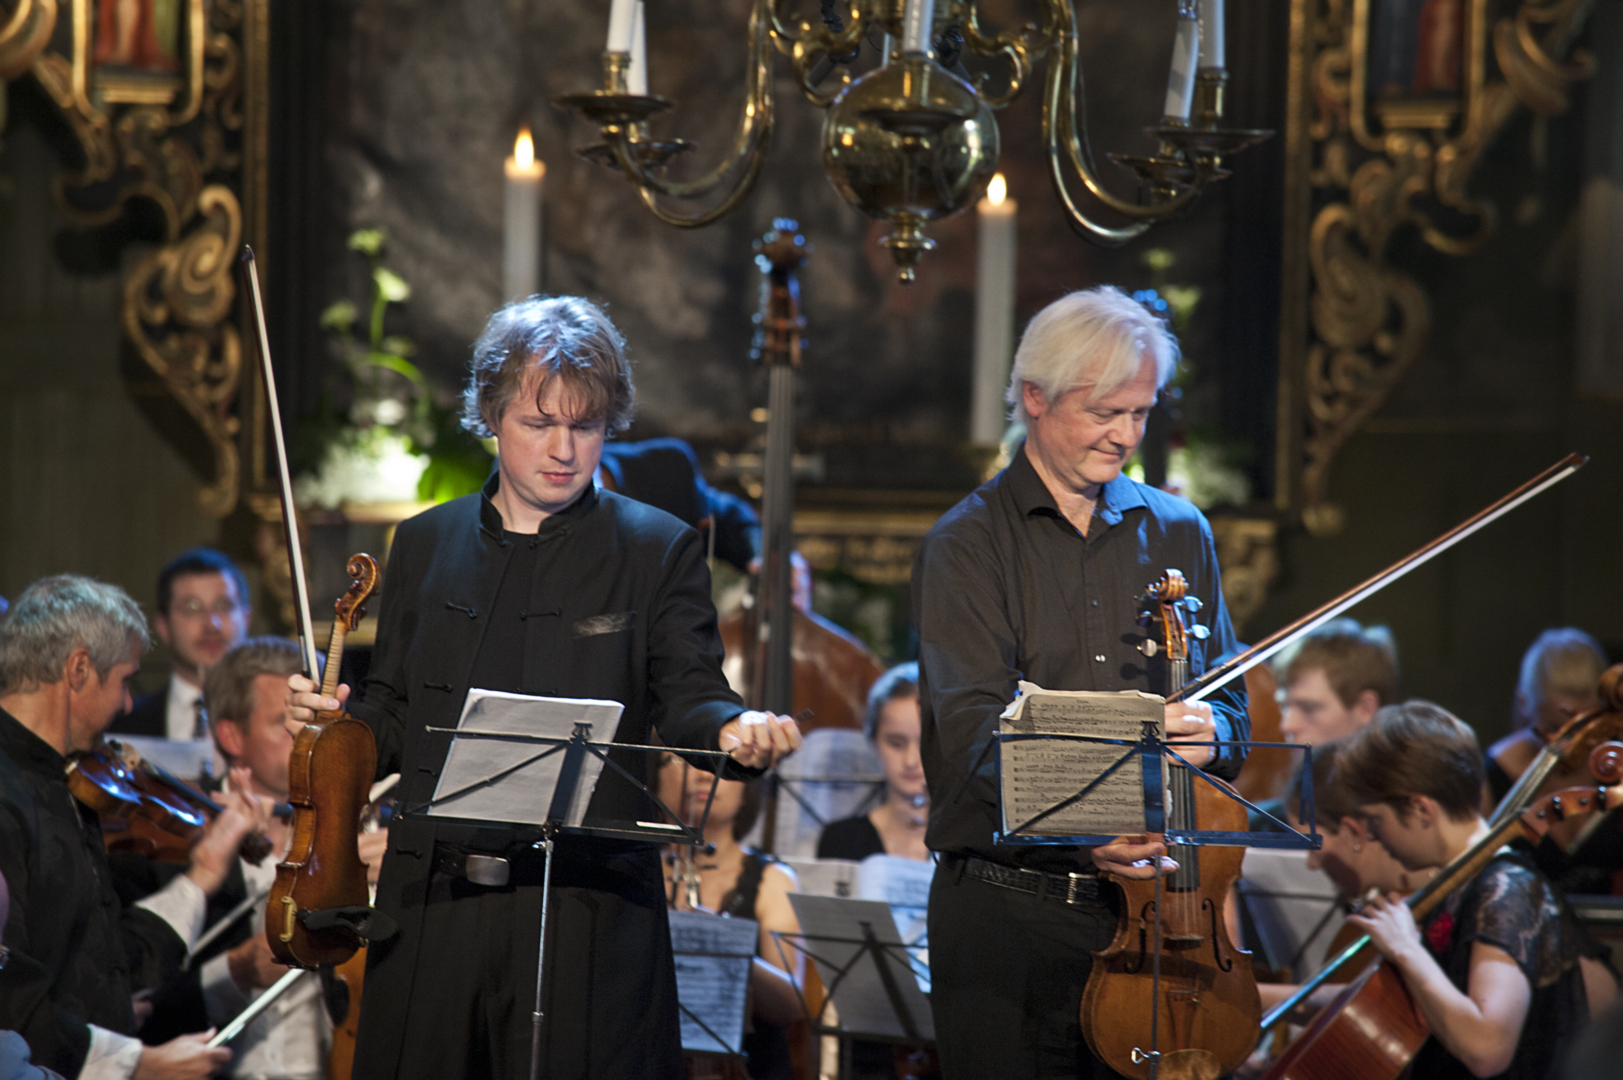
{"points": [[816, 41], [1014, 47], [1065, 95], [741, 191], [754, 130]]}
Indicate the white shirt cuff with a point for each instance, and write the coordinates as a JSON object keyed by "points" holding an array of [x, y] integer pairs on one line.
{"points": [[112, 1056], [222, 998], [182, 905]]}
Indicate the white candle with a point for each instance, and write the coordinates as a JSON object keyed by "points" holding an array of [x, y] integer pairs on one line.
{"points": [[637, 73], [620, 15], [1185, 55], [994, 313], [1211, 33], [521, 226], [918, 19]]}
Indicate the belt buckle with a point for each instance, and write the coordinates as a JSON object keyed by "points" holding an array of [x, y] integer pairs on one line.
{"points": [[491, 871], [1071, 883]]}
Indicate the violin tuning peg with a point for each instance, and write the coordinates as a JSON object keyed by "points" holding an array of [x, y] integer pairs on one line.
{"points": [[1144, 618], [1192, 603], [1149, 647], [1200, 632]]}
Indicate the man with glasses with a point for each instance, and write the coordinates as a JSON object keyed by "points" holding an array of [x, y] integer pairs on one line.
{"points": [[202, 614]]}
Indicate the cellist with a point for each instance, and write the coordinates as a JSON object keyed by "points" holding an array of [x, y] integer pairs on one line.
{"points": [[1496, 969], [1036, 575], [540, 584]]}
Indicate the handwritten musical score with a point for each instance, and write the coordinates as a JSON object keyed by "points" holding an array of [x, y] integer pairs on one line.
{"points": [[1039, 773]]}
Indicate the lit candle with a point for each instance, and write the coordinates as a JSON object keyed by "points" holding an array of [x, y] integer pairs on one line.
{"points": [[637, 73], [1211, 33], [620, 16], [994, 312], [521, 230], [1185, 55], [918, 19]]}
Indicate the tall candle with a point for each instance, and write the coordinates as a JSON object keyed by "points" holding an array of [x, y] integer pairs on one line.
{"points": [[1185, 55], [1211, 33], [621, 12], [994, 312], [637, 73], [918, 20], [521, 226]]}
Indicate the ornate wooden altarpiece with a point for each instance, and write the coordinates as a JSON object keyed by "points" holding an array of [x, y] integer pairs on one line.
{"points": [[168, 102], [1392, 104]]}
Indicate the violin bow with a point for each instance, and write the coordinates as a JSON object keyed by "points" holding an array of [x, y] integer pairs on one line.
{"points": [[290, 522], [1197, 689]]}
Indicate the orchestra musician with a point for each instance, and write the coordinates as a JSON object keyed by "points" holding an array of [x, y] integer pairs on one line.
{"points": [[203, 611], [1559, 679], [665, 473], [540, 584], [1495, 970], [896, 825], [246, 693], [1037, 576], [68, 649], [742, 883]]}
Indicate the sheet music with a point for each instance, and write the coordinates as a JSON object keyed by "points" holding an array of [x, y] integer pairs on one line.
{"points": [[1288, 902], [833, 933], [825, 877], [835, 774], [904, 884], [1036, 774], [713, 959], [482, 770]]}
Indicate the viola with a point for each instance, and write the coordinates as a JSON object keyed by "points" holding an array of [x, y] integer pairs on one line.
{"points": [[147, 810], [1171, 994], [329, 778], [1372, 1030]]}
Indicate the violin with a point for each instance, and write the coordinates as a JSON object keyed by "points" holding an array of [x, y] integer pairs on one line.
{"points": [[1172, 993], [147, 810], [329, 778], [1372, 1030]]}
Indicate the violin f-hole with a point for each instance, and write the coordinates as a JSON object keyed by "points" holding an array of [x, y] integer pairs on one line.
{"points": [[1217, 956]]}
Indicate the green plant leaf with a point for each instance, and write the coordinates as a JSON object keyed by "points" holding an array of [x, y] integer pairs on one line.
{"points": [[367, 241], [339, 317], [391, 286], [399, 364], [400, 346]]}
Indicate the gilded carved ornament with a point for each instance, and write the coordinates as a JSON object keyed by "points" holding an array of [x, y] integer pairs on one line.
{"points": [[1383, 165], [157, 125]]}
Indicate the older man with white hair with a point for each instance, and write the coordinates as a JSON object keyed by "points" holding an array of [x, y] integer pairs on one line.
{"points": [[1037, 575]]}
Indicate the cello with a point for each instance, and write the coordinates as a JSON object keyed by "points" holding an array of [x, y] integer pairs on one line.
{"points": [[1171, 995], [1372, 1030]]}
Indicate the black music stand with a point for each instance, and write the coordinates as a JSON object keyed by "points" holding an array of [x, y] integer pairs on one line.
{"points": [[869, 974], [553, 814]]}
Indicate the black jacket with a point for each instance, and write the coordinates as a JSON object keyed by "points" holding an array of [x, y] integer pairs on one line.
{"points": [[76, 951], [618, 608], [149, 716]]}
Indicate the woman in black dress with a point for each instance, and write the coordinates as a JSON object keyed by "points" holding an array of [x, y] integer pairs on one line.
{"points": [[739, 882], [895, 826], [1495, 970]]}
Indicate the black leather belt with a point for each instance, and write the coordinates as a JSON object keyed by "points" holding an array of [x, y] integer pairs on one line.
{"points": [[493, 871], [1075, 889]]}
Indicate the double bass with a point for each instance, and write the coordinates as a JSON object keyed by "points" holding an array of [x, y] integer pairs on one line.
{"points": [[1171, 995], [792, 662]]}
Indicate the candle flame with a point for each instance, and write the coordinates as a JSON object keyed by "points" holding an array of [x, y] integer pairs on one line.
{"points": [[997, 190], [524, 149]]}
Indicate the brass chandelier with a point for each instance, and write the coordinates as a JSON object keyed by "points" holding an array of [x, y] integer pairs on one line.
{"points": [[910, 141]]}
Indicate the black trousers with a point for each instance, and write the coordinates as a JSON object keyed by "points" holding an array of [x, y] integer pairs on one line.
{"points": [[610, 998], [1007, 972]]}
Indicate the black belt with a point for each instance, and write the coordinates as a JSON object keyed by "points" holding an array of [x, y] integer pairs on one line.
{"points": [[521, 866], [1074, 889]]}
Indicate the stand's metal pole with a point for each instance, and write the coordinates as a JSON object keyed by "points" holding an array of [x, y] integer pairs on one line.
{"points": [[541, 960]]}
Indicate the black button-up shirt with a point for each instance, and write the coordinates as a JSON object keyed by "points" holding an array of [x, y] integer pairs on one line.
{"points": [[1005, 588]]}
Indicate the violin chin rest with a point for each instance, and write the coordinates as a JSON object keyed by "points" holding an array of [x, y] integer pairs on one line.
{"points": [[1189, 1065], [367, 923]]}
